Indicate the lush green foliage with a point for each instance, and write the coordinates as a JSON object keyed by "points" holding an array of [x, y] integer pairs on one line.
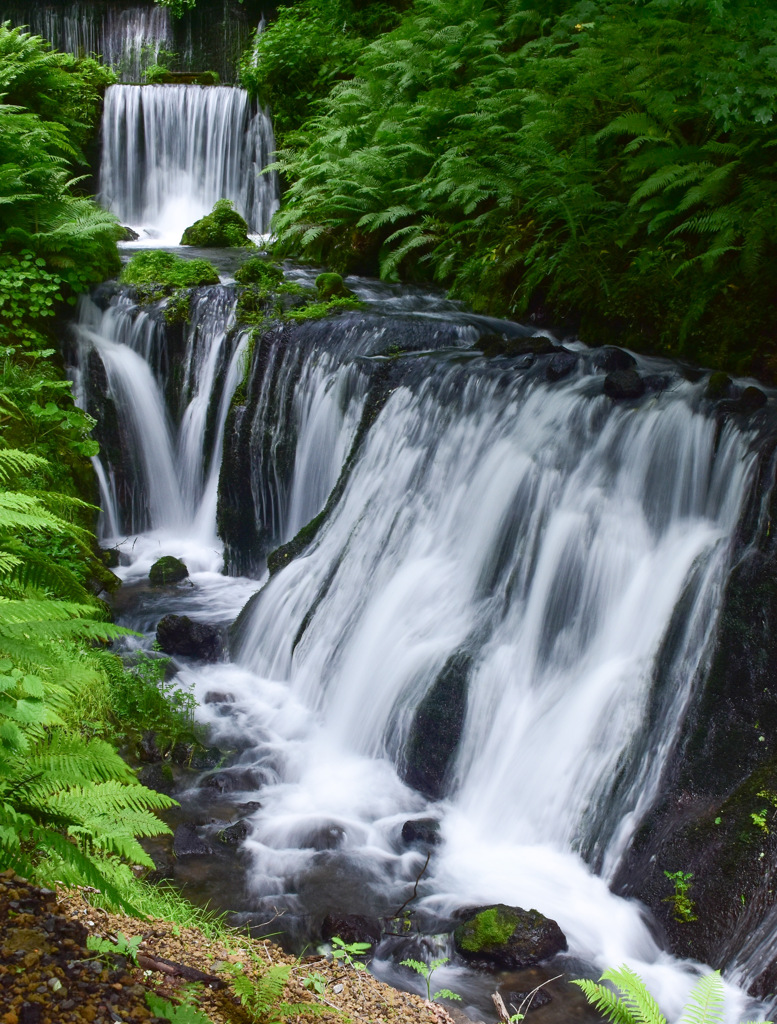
{"points": [[607, 161], [259, 271], [633, 1004], [223, 226], [166, 270], [70, 808], [311, 46], [54, 243]]}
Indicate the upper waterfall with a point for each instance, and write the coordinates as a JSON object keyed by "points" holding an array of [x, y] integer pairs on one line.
{"points": [[170, 151]]}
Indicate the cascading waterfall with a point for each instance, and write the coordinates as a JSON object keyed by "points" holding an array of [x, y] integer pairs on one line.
{"points": [[128, 39], [159, 472], [170, 151]]}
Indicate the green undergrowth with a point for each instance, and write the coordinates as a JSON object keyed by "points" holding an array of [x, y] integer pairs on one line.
{"points": [[598, 161], [223, 227], [158, 273]]}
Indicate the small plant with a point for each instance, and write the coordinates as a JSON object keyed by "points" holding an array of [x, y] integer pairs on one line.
{"points": [[633, 1004], [262, 995], [315, 982], [121, 947], [680, 899], [426, 971], [185, 1013], [344, 952]]}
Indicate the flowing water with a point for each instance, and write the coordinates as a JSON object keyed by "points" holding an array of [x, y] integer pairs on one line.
{"points": [[170, 151], [557, 538]]}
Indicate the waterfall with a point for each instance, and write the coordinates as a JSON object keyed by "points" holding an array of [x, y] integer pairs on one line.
{"points": [[170, 151], [128, 39], [166, 393]]}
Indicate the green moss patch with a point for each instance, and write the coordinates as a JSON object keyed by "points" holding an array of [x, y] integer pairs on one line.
{"points": [[492, 927], [167, 570], [332, 286], [222, 228], [158, 273], [259, 271]]}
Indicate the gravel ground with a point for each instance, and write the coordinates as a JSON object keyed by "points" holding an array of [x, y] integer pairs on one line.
{"points": [[48, 976]]}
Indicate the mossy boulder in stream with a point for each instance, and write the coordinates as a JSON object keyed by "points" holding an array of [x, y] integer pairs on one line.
{"points": [[332, 286], [167, 570], [508, 937], [259, 271], [222, 227]]}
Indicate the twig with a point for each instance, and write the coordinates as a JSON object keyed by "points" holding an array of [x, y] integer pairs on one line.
{"points": [[415, 887]]}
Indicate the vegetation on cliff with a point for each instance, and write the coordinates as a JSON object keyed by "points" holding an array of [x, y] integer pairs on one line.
{"points": [[604, 162]]}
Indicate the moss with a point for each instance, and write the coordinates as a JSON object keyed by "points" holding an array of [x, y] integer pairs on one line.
{"points": [[163, 272], [178, 309], [166, 570], [331, 286], [492, 927], [259, 271], [221, 228], [318, 310]]}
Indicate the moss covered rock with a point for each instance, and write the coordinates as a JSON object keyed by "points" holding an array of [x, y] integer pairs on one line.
{"points": [[508, 937], [166, 570], [332, 286], [221, 228], [164, 270], [259, 271]]}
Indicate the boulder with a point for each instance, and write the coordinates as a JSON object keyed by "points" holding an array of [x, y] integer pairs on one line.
{"points": [[331, 286], [751, 399], [500, 345], [178, 634], [508, 937], [531, 999], [167, 570], [259, 271], [622, 384], [189, 841], [221, 228], [425, 831], [719, 385], [436, 731], [233, 780], [350, 928], [611, 359], [233, 835], [324, 837], [561, 365]]}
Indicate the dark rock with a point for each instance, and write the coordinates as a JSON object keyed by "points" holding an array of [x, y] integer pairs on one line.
{"points": [[188, 841], [178, 634], [31, 1013], [248, 807], [611, 359], [719, 385], [205, 758], [158, 777], [421, 830], [167, 570], [531, 1000], [561, 365], [500, 345], [656, 382], [508, 937], [233, 835], [147, 748], [622, 384], [232, 780], [127, 234], [110, 557], [351, 928], [436, 731], [218, 697], [752, 399]]}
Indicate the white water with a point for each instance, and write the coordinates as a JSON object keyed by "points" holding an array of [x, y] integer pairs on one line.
{"points": [[542, 528], [128, 40], [170, 151]]}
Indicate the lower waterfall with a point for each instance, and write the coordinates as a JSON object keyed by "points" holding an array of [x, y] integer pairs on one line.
{"points": [[551, 560]]}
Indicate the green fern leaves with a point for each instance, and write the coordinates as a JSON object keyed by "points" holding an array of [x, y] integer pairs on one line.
{"points": [[626, 999]]}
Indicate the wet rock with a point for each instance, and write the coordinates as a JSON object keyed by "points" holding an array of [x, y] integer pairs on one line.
{"points": [[222, 227], [533, 999], [127, 234], [178, 634], [351, 928], [167, 570], [501, 345], [233, 780], [561, 365], [751, 399], [610, 358], [233, 835], [425, 831], [218, 697], [623, 384], [158, 777], [508, 937], [331, 286], [436, 730], [719, 385], [249, 807], [110, 557], [657, 381], [204, 759], [148, 748], [189, 841]]}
